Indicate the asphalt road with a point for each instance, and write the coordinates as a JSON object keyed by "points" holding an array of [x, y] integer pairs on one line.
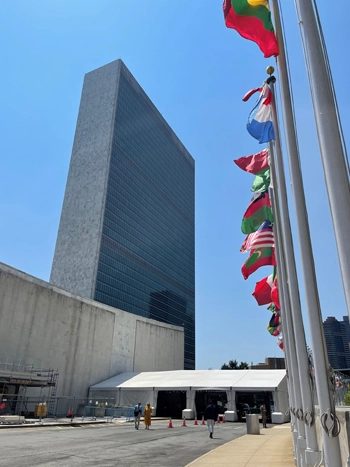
{"points": [[112, 445]]}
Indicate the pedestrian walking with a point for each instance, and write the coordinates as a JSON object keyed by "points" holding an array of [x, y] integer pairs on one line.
{"points": [[263, 412], [211, 414], [137, 415], [147, 416]]}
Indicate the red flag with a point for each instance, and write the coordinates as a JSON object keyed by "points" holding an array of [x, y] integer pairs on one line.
{"points": [[252, 20], [274, 294], [262, 292], [255, 163]]}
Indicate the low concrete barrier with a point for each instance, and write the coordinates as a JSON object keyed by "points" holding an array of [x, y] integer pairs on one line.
{"points": [[11, 419]]}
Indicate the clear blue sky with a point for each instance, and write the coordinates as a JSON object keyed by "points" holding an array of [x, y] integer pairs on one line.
{"points": [[196, 72]]}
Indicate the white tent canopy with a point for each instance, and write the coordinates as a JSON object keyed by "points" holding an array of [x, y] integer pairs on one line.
{"points": [[129, 388], [238, 380]]}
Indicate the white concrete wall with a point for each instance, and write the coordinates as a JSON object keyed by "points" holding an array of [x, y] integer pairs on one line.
{"points": [[86, 341], [79, 234], [343, 414]]}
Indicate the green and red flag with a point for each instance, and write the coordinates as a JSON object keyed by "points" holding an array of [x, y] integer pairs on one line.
{"points": [[258, 211], [273, 308], [252, 20], [260, 257], [255, 163], [261, 181], [274, 291]]}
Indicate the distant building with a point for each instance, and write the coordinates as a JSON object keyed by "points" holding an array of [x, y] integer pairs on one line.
{"points": [[347, 328], [336, 334], [126, 235], [271, 363]]}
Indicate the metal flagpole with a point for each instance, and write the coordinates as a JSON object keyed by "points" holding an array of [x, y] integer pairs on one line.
{"points": [[303, 229], [316, 331], [305, 408], [332, 147], [322, 376], [298, 428]]}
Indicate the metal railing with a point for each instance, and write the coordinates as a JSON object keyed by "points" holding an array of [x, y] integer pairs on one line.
{"points": [[54, 407]]}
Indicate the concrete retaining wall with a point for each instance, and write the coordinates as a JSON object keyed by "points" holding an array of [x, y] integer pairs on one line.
{"points": [[343, 414], [86, 341]]}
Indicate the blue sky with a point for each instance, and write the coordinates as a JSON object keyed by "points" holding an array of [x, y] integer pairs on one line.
{"points": [[196, 71]]}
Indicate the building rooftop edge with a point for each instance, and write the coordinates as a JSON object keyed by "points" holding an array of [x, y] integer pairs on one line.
{"points": [[40, 282], [139, 88]]}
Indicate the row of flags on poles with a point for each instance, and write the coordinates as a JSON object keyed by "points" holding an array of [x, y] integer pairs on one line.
{"points": [[252, 20]]}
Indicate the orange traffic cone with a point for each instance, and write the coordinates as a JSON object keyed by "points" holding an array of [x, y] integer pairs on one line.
{"points": [[170, 424], [184, 422], [195, 421], [218, 420], [203, 422]]}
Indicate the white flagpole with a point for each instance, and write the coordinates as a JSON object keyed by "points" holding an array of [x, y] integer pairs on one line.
{"points": [[330, 445], [298, 428], [332, 147], [309, 440]]}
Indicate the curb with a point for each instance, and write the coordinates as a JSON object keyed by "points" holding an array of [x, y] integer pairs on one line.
{"points": [[49, 425]]}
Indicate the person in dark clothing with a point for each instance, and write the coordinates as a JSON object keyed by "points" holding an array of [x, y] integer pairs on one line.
{"points": [[137, 415], [211, 414]]}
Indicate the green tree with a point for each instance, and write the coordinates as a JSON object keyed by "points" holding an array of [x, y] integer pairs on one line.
{"points": [[347, 398], [233, 365]]}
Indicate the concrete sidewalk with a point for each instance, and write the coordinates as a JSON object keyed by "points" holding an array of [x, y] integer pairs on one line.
{"points": [[273, 447]]}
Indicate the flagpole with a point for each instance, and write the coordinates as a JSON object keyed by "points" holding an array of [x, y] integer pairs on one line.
{"points": [[284, 281], [306, 407], [332, 147], [298, 429], [322, 377]]}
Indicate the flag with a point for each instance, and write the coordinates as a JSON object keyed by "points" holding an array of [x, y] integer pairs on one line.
{"points": [[258, 258], [262, 291], [255, 163], [273, 308], [274, 326], [261, 181], [275, 320], [275, 331], [260, 124], [258, 211], [280, 343], [252, 20], [274, 292], [262, 237]]}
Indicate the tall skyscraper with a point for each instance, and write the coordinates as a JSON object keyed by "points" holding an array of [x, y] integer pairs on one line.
{"points": [[126, 234], [337, 343]]}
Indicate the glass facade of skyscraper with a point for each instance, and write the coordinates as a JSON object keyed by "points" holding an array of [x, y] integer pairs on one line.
{"points": [[146, 262]]}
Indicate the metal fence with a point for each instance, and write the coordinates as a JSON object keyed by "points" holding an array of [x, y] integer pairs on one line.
{"points": [[62, 407], [93, 412], [342, 387]]}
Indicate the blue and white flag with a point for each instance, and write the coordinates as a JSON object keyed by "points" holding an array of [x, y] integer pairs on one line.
{"points": [[260, 124]]}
